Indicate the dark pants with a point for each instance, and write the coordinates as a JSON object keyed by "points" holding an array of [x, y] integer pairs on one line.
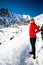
{"points": [[32, 41]]}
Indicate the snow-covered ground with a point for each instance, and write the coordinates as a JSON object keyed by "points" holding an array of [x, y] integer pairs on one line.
{"points": [[15, 47]]}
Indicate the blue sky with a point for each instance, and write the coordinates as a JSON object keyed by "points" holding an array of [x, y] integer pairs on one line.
{"points": [[30, 7]]}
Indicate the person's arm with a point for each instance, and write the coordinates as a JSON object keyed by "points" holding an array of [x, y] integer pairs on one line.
{"points": [[37, 29]]}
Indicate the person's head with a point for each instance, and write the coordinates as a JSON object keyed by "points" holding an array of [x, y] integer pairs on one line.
{"points": [[32, 21]]}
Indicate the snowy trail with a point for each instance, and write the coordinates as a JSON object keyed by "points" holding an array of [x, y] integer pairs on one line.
{"points": [[25, 54], [15, 51], [11, 50]]}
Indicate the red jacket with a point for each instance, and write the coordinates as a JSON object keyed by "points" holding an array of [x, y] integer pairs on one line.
{"points": [[33, 29]]}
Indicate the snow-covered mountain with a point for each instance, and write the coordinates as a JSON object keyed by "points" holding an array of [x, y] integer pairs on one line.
{"points": [[8, 18], [26, 17]]}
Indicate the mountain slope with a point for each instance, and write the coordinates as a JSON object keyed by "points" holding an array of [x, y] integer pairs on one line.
{"points": [[39, 19], [7, 17]]}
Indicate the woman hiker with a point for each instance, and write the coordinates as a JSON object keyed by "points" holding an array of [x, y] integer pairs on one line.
{"points": [[33, 30]]}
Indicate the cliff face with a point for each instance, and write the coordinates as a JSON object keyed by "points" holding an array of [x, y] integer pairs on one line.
{"points": [[7, 17]]}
